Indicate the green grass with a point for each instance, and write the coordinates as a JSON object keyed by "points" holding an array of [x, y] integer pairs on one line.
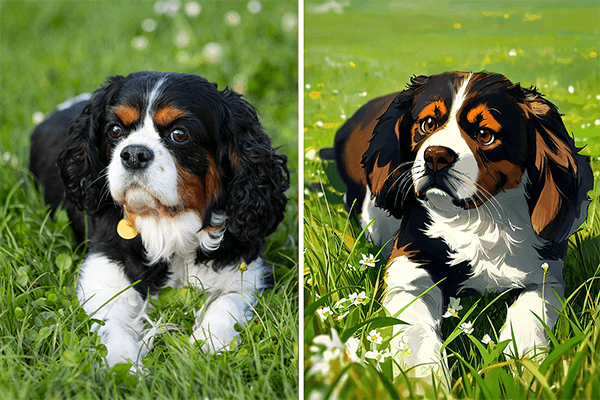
{"points": [[372, 49], [52, 51]]}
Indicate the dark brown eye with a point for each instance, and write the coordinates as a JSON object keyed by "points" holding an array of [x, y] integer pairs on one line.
{"points": [[115, 131], [179, 136], [428, 125], [485, 137]]}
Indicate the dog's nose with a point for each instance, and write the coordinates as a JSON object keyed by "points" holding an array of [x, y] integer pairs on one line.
{"points": [[439, 157], [136, 157]]}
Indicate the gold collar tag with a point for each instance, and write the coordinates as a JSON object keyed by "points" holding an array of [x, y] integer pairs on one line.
{"points": [[125, 230]]}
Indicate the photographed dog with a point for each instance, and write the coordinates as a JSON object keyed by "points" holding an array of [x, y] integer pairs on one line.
{"points": [[481, 185], [179, 185]]}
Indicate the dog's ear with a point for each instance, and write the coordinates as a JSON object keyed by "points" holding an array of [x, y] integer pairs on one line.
{"points": [[255, 197], [83, 158], [389, 158], [559, 177]]}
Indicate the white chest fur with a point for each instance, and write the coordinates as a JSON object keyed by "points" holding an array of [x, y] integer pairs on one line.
{"points": [[496, 239]]}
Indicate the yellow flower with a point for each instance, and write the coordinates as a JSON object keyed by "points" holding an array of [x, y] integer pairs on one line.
{"points": [[352, 64], [314, 95], [243, 267]]}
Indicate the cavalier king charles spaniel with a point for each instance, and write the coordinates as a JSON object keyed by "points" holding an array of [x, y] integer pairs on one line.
{"points": [[481, 185], [177, 184]]}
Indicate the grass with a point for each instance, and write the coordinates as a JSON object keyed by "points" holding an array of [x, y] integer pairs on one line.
{"points": [[52, 51], [372, 49]]}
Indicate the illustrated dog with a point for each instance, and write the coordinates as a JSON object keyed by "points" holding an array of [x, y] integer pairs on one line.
{"points": [[180, 186], [481, 184]]}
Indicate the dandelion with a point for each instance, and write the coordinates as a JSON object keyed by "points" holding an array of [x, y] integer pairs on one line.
{"points": [[486, 339], [453, 308], [377, 355], [467, 327], [139, 43], [358, 298], [232, 18], [324, 312], [212, 52], [192, 9], [369, 260], [149, 25], [254, 7], [375, 337]]}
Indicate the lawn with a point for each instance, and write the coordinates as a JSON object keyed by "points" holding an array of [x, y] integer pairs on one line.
{"points": [[370, 49], [54, 50]]}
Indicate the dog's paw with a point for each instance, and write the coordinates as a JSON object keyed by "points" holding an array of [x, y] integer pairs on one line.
{"points": [[215, 337]]}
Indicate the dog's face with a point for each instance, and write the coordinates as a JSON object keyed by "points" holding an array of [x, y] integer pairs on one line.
{"points": [[457, 140], [162, 145]]}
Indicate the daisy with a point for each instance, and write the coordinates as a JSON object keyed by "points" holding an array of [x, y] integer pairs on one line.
{"points": [[453, 308], [375, 337], [467, 327], [369, 260], [324, 312]]}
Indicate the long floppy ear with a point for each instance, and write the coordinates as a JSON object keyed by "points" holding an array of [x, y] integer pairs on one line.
{"points": [[559, 177], [83, 158], [389, 158], [255, 194]]}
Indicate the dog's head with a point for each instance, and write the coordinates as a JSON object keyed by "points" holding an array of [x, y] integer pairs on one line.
{"points": [[456, 140], [161, 144]]}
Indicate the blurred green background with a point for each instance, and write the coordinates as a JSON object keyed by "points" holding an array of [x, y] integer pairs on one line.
{"points": [[365, 49]]}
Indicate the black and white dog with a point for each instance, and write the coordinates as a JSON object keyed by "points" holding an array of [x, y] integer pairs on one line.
{"points": [[180, 186], [481, 184]]}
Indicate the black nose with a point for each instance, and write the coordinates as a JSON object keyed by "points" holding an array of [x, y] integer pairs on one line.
{"points": [[136, 157], [439, 157]]}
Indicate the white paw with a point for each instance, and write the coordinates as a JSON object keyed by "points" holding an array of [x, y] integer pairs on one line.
{"points": [[216, 337]]}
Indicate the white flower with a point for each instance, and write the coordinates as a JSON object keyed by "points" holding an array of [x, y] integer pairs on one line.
{"points": [[352, 346], [333, 349], [139, 43], [192, 9], [149, 25], [375, 337], [308, 86], [212, 52], [597, 122], [37, 117], [358, 298], [324, 312], [320, 124], [486, 339], [254, 7], [453, 308], [311, 154], [363, 94], [467, 327], [369, 260], [376, 355], [289, 21], [232, 18], [341, 302], [545, 267], [182, 39], [512, 53], [343, 116], [571, 89], [402, 348]]}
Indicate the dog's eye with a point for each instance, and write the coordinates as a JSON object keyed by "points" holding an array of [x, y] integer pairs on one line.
{"points": [[485, 137], [179, 136], [428, 125], [115, 131]]}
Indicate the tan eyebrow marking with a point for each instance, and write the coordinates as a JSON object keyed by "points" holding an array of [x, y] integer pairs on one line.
{"points": [[487, 119], [127, 113], [430, 109], [167, 114]]}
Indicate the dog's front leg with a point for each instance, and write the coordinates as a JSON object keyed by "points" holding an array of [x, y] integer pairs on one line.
{"points": [[100, 280], [406, 282], [522, 318], [215, 322]]}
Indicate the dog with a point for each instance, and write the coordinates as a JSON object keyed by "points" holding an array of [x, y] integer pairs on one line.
{"points": [[178, 185], [481, 185]]}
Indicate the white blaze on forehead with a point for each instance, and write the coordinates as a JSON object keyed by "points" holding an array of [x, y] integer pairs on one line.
{"points": [[465, 168]]}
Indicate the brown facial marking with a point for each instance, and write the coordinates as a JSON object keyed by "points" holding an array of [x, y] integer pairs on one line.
{"points": [[430, 110], [127, 113], [481, 114], [167, 114], [194, 193]]}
